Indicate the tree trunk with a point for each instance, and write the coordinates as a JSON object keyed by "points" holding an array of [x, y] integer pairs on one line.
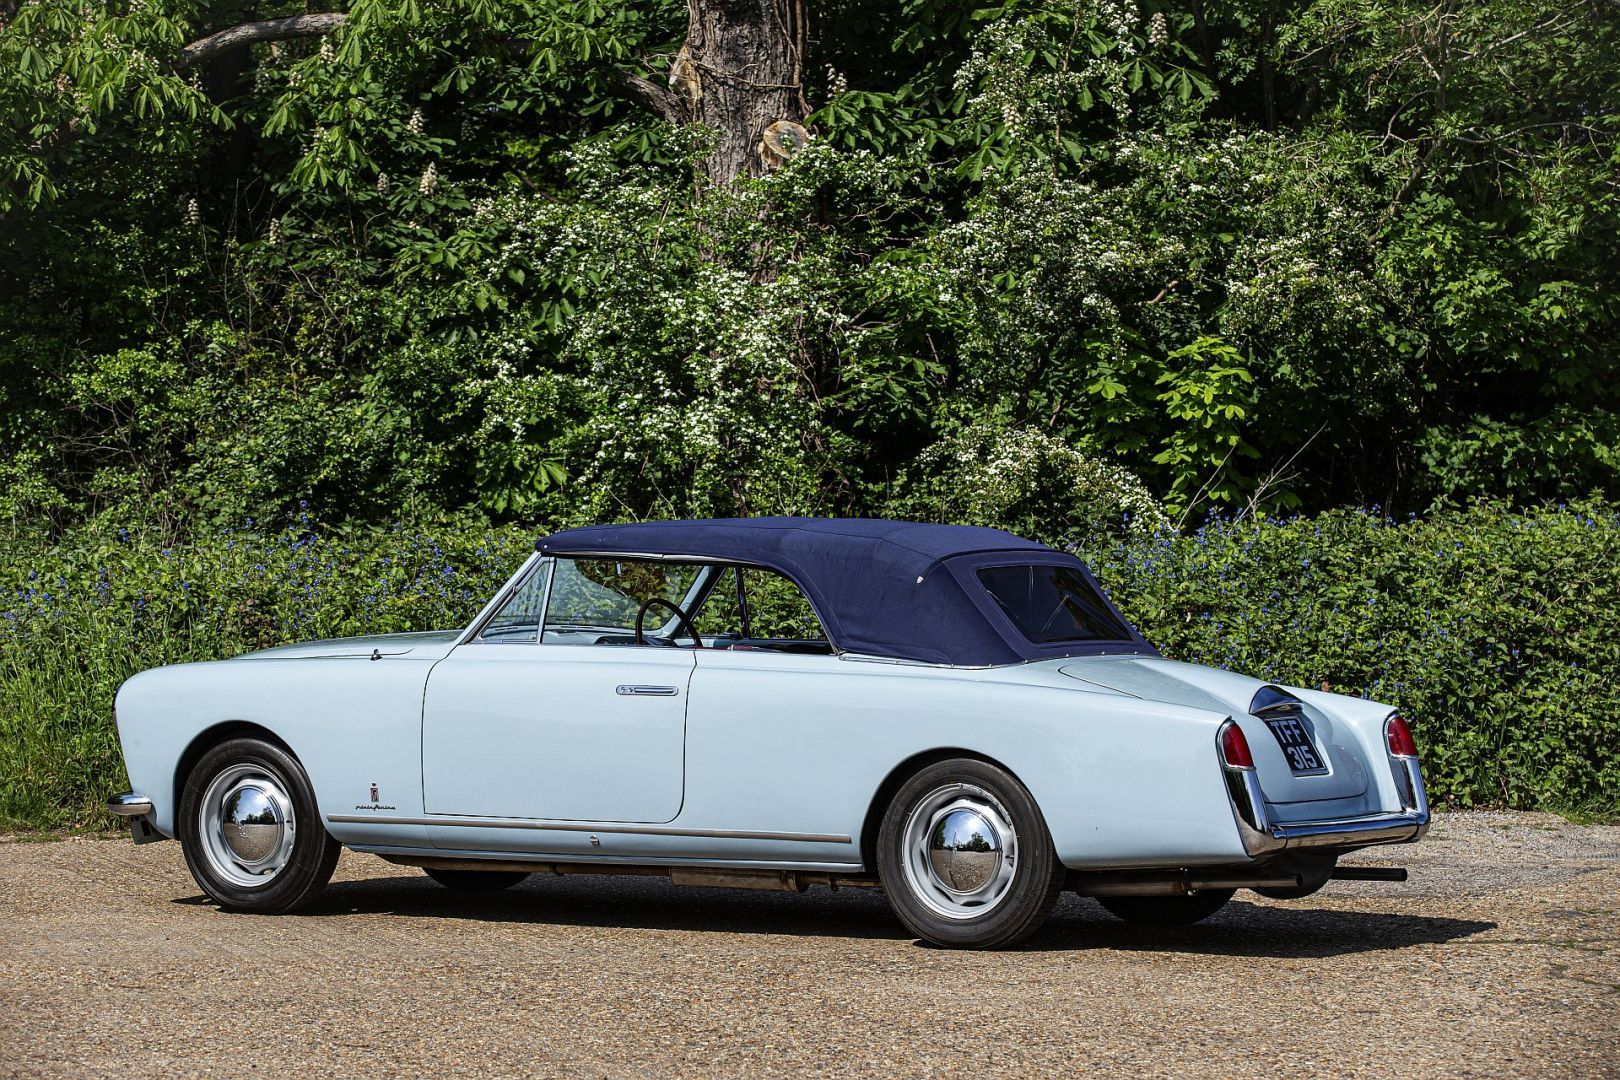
{"points": [[740, 73]]}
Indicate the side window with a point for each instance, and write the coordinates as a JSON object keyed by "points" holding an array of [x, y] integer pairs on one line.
{"points": [[595, 601], [777, 609], [518, 620], [721, 617], [750, 608]]}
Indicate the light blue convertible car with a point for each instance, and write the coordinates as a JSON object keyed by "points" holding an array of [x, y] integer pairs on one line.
{"points": [[955, 715]]}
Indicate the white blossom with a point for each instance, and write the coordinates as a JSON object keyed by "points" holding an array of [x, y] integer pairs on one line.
{"points": [[1158, 30]]}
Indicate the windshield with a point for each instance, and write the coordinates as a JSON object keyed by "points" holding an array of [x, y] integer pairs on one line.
{"points": [[1052, 604]]}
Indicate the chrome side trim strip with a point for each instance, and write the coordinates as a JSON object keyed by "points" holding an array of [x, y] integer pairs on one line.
{"points": [[632, 861], [574, 826]]}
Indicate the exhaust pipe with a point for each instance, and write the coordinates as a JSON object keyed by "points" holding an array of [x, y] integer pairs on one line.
{"points": [[1369, 873], [1180, 884], [769, 880]]}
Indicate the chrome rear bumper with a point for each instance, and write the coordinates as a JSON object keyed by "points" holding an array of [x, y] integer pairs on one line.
{"points": [[1263, 837], [1350, 832]]}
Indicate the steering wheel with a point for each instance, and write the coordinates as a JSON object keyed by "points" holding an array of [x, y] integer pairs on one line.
{"points": [[685, 622]]}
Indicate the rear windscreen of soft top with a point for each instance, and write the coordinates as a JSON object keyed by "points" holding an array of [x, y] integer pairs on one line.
{"points": [[1052, 604]]}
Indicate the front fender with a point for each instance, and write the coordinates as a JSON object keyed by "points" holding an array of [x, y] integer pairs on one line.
{"points": [[352, 723]]}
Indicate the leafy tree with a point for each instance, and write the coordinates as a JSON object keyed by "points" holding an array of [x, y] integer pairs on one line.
{"points": [[406, 258]]}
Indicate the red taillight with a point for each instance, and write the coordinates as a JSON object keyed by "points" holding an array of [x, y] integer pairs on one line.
{"points": [[1235, 748], [1400, 738]]}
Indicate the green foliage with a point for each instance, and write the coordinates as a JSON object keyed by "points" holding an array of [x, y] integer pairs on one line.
{"points": [[1207, 396], [1033, 484], [1041, 265], [79, 618], [1494, 630], [435, 261], [86, 70]]}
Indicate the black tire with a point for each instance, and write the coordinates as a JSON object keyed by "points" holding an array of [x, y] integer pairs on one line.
{"points": [[1025, 887], [1167, 910], [475, 880], [311, 855]]}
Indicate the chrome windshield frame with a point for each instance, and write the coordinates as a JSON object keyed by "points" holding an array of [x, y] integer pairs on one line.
{"points": [[518, 579]]}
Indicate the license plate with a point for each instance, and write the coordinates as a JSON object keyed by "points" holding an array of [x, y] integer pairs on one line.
{"points": [[1296, 744]]}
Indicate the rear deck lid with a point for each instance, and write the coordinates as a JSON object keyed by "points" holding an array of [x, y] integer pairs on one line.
{"points": [[1301, 754]]}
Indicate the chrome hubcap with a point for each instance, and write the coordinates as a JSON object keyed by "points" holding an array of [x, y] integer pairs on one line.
{"points": [[247, 825], [960, 851]]}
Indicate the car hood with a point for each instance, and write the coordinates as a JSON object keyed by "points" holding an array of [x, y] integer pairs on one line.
{"points": [[433, 645]]}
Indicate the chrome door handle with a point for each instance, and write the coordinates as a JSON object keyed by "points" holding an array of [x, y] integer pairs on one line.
{"points": [[637, 690]]}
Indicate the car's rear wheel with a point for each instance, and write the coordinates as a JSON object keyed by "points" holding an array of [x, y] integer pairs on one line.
{"points": [[1313, 872], [1167, 910], [965, 858], [474, 880], [250, 830]]}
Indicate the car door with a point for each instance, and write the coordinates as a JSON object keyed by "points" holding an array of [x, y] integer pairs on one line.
{"points": [[516, 725], [778, 727], [552, 731]]}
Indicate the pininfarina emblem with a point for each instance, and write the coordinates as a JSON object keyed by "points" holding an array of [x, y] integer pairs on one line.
{"points": [[376, 802]]}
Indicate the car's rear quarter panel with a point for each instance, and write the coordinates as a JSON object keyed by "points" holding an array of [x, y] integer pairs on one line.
{"points": [[802, 744]]}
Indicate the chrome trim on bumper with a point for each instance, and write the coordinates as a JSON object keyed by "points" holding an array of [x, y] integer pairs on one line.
{"points": [[1350, 832], [1266, 838], [129, 804]]}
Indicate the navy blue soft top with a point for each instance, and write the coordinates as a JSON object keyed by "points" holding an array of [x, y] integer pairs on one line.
{"points": [[898, 589]]}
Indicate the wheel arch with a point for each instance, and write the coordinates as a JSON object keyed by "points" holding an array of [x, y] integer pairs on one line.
{"points": [[211, 737], [904, 771]]}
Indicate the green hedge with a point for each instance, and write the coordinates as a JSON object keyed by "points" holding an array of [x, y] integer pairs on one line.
{"points": [[85, 616], [1498, 632]]}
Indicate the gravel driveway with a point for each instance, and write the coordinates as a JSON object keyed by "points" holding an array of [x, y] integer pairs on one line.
{"points": [[1501, 956]]}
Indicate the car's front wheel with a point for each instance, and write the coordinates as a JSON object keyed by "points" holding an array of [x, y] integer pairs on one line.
{"points": [[965, 858], [250, 830]]}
